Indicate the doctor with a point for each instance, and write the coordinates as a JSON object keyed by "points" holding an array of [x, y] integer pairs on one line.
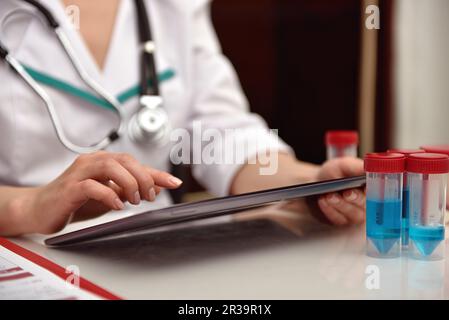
{"points": [[131, 72]]}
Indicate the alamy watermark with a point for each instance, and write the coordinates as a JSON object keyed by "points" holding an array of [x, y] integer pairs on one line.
{"points": [[372, 281], [73, 276], [372, 21], [73, 13], [239, 146]]}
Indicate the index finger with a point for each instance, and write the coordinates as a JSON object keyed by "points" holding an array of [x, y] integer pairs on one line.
{"points": [[164, 179]]}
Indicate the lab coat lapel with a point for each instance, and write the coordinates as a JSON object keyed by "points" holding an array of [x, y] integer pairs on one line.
{"points": [[122, 66], [120, 63]]}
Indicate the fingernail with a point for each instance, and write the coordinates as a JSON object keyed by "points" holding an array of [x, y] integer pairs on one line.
{"points": [[175, 181], [136, 197], [119, 204], [351, 196], [333, 199], [152, 194]]}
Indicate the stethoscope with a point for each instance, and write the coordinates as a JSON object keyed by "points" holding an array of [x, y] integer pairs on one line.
{"points": [[149, 125]]}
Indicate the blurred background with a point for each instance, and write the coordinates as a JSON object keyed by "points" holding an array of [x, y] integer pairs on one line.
{"points": [[308, 66]]}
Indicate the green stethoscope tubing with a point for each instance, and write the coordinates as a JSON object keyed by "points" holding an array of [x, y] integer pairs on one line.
{"points": [[86, 95]]}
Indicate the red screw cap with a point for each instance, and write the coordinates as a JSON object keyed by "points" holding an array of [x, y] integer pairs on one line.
{"points": [[406, 152], [443, 148], [385, 162], [341, 137], [427, 163]]}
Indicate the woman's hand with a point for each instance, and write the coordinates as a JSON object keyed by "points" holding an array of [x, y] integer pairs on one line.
{"points": [[349, 206], [337, 208], [92, 185]]}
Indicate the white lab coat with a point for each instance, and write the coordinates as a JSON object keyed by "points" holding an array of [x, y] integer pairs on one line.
{"points": [[205, 87]]}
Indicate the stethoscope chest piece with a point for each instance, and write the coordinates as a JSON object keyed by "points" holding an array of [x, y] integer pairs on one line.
{"points": [[150, 125]]}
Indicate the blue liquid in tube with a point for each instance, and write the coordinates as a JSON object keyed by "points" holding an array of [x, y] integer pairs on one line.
{"points": [[383, 223], [426, 238], [405, 217]]}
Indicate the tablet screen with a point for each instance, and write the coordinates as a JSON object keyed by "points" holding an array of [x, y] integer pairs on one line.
{"points": [[202, 210]]}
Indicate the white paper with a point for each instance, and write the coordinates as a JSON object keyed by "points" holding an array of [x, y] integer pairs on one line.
{"points": [[21, 279]]}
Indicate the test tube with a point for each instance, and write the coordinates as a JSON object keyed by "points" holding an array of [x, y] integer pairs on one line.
{"points": [[442, 149], [427, 180], [384, 172], [341, 143], [405, 197]]}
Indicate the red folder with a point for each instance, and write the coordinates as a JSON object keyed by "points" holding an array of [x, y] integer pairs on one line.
{"points": [[56, 269]]}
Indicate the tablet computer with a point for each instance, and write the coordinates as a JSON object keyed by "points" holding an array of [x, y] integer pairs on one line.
{"points": [[201, 210]]}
